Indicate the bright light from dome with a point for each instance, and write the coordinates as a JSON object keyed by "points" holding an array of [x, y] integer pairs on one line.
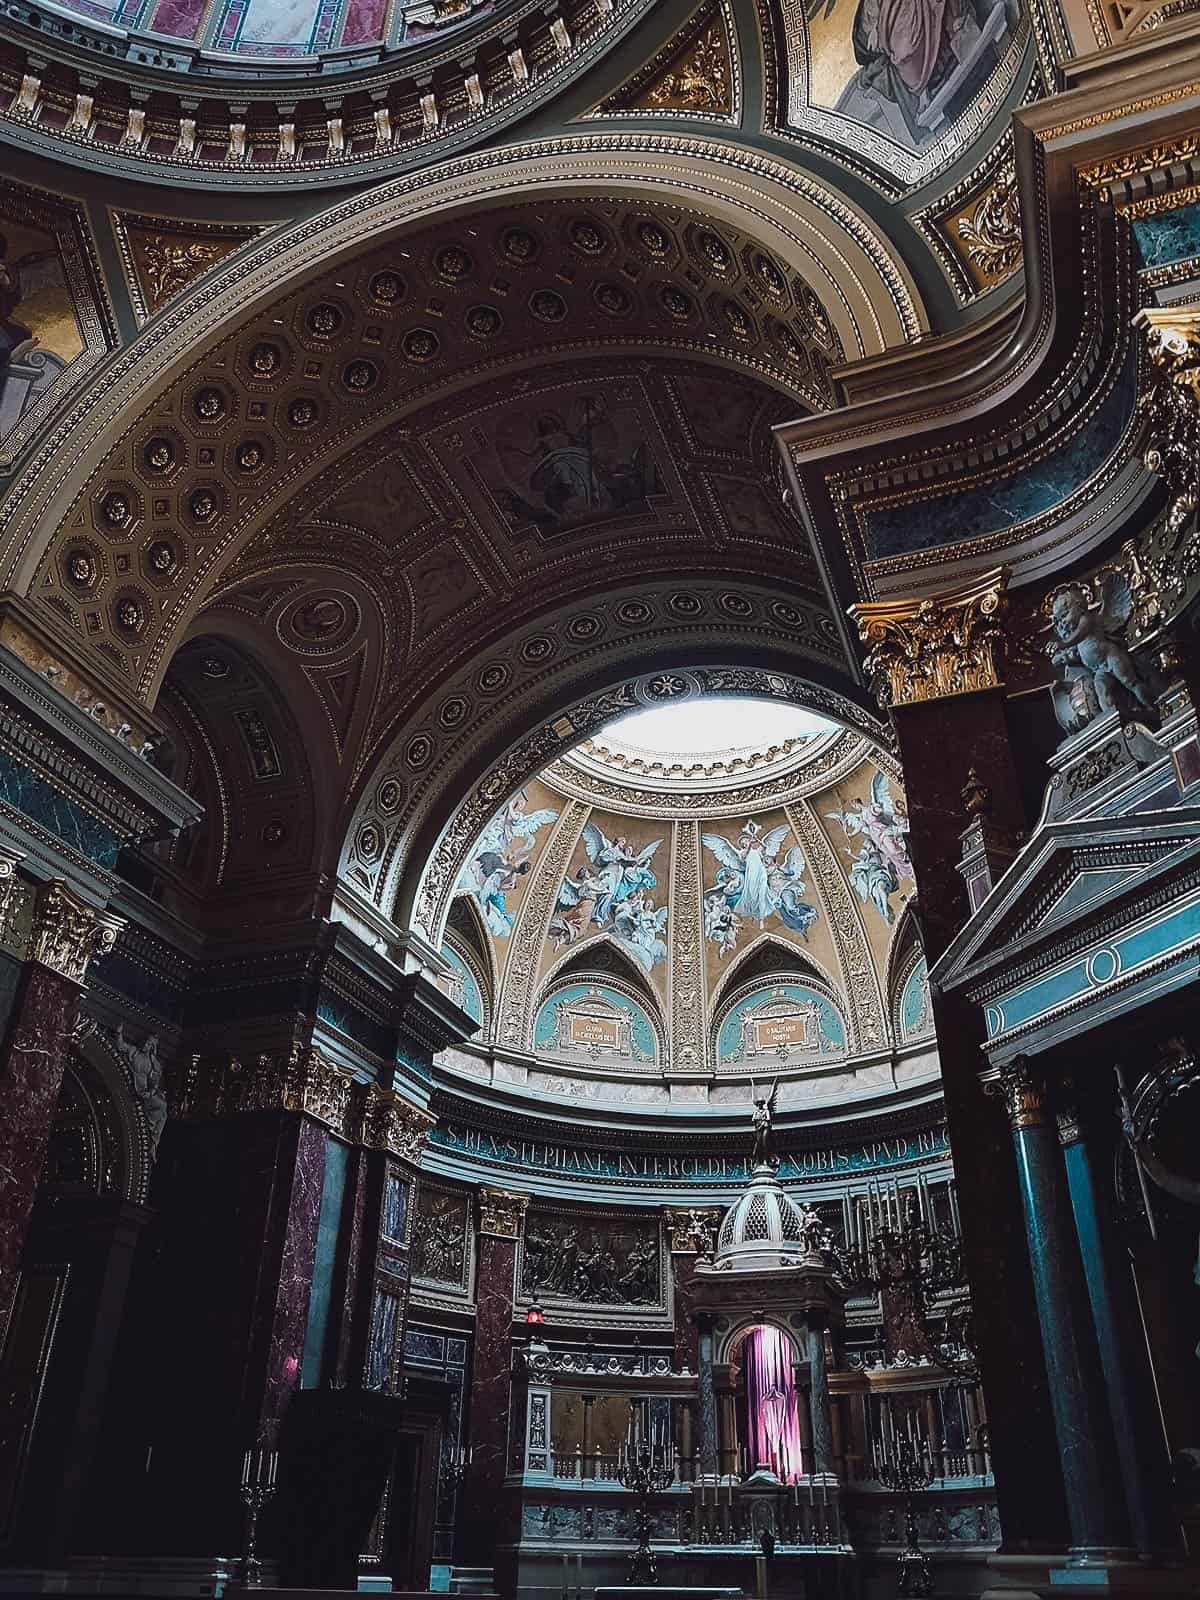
{"points": [[713, 726]]}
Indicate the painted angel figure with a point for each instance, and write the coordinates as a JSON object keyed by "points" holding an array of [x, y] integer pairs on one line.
{"points": [[1100, 674], [575, 906], [622, 869], [755, 883], [500, 860], [883, 821], [640, 928]]}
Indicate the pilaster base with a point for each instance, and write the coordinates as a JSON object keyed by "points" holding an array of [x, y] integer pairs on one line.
{"points": [[165, 1576], [473, 1580]]}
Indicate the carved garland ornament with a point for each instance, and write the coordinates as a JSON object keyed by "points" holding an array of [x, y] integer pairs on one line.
{"points": [[940, 645]]}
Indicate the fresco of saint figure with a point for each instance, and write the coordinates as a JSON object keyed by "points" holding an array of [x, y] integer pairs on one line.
{"points": [[39, 331], [906, 67], [567, 461]]}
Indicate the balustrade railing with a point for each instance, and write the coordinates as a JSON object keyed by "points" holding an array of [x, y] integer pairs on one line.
{"points": [[948, 1465]]}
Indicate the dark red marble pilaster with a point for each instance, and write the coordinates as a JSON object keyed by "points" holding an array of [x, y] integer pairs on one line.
{"points": [[687, 1333], [221, 1316], [32, 1062], [940, 740], [483, 1524]]}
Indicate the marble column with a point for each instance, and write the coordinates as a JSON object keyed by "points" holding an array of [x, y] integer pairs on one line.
{"points": [[1086, 1446], [706, 1341], [63, 936], [931, 735], [1141, 1445], [484, 1523], [818, 1388]]}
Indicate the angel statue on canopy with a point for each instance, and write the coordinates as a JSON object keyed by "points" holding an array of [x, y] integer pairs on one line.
{"points": [[763, 1153]]}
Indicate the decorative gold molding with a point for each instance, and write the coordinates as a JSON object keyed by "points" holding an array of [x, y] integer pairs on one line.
{"points": [[319, 1089], [1023, 1092], [392, 1124], [695, 73], [500, 1212], [694, 1231], [163, 256], [67, 932], [941, 645], [988, 231], [1169, 405]]}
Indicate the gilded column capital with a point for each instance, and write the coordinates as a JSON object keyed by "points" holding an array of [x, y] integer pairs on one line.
{"points": [[319, 1089], [935, 646], [391, 1123], [692, 1231], [67, 932], [500, 1212], [1169, 405], [1024, 1092]]}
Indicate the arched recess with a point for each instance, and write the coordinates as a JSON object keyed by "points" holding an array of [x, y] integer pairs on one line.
{"points": [[101, 1141], [592, 1018], [465, 929], [768, 956], [243, 753], [862, 290], [404, 852], [909, 1012], [601, 958], [784, 1022]]}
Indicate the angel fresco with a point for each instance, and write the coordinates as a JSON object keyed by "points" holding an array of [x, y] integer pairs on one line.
{"points": [[881, 863], [572, 461], [612, 891], [753, 884], [501, 860]]}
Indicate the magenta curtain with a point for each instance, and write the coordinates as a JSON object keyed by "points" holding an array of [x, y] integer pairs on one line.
{"points": [[771, 1402]]}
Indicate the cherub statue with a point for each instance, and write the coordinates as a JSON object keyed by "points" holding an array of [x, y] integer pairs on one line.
{"points": [[1100, 673]]}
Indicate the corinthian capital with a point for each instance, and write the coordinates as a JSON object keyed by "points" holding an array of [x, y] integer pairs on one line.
{"points": [[1024, 1094], [67, 932], [1169, 405], [500, 1212], [935, 646]]}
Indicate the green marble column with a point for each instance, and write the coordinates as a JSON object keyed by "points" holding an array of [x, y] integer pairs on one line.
{"points": [[1141, 1446], [1086, 1446]]}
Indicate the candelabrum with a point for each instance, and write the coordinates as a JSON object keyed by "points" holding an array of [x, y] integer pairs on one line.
{"points": [[646, 1473], [259, 1469], [459, 1465], [907, 1471], [896, 1248]]}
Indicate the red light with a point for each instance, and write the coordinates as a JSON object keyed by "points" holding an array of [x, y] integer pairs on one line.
{"points": [[535, 1316]]}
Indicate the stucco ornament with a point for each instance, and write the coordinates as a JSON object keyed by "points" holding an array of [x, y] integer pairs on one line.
{"points": [[1098, 672]]}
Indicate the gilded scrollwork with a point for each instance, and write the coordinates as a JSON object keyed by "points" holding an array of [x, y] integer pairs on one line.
{"points": [[1169, 405], [991, 231], [700, 80], [500, 1212], [393, 1124], [939, 645], [67, 933]]}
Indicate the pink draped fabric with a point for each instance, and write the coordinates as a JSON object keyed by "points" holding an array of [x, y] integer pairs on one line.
{"points": [[771, 1402]]}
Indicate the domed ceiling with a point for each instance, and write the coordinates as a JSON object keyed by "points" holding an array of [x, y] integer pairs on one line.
{"points": [[283, 29], [659, 924]]}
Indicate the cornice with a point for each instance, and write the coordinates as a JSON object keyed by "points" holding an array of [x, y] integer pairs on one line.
{"points": [[1001, 405], [146, 104]]}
